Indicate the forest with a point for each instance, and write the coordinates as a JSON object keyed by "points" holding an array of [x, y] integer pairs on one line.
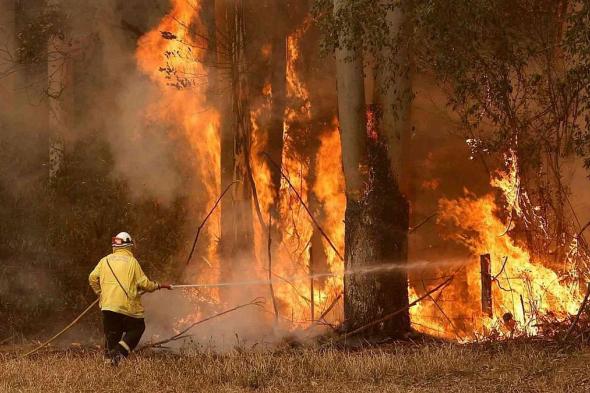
{"points": [[351, 192]]}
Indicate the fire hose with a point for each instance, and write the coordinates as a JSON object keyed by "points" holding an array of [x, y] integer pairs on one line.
{"points": [[46, 343], [95, 302], [369, 269]]}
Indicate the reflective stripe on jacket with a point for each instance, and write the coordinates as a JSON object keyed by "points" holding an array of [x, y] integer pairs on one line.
{"points": [[124, 298]]}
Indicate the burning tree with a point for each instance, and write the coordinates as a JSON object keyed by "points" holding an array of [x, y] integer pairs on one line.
{"points": [[516, 76]]}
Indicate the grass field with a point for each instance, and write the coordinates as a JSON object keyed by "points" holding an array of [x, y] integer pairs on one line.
{"points": [[426, 368]]}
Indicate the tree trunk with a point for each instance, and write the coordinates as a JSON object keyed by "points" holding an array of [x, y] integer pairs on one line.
{"points": [[7, 64], [376, 234], [278, 79], [376, 212], [393, 96], [237, 238], [351, 115], [59, 91]]}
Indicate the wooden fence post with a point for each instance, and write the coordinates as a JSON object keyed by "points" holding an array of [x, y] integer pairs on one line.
{"points": [[486, 285]]}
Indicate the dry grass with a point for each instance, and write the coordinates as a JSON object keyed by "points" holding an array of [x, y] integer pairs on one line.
{"points": [[429, 368]]}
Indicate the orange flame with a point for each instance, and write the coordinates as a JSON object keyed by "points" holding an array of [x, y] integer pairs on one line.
{"points": [[521, 286], [165, 56]]}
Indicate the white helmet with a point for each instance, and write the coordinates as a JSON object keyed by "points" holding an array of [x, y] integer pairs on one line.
{"points": [[123, 239]]}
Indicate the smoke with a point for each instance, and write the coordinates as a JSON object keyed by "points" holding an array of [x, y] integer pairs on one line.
{"points": [[103, 93], [576, 180], [142, 152]]}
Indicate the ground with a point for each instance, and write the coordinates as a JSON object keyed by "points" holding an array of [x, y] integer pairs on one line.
{"points": [[527, 367]]}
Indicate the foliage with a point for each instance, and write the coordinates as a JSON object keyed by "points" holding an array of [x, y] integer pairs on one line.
{"points": [[43, 22], [517, 66], [53, 236], [516, 73], [577, 44]]}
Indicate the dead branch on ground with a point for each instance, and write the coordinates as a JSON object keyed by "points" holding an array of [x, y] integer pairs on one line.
{"points": [[179, 336]]}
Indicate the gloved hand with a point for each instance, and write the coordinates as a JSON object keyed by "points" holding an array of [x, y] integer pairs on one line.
{"points": [[165, 286]]}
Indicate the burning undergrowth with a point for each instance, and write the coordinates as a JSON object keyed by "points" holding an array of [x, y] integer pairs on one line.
{"points": [[524, 290]]}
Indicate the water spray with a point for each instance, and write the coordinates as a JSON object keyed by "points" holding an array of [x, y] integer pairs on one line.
{"points": [[361, 270]]}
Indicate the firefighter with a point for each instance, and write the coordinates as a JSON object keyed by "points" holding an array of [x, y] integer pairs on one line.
{"points": [[119, 281]]}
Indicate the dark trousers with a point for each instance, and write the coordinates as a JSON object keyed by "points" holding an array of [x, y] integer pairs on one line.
{"points": [[122, 332]]}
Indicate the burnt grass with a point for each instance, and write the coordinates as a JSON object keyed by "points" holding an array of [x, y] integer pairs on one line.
{"points": [[518, 366]]}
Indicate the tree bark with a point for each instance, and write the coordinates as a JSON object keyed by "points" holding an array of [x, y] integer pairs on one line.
{"points": [[351, 115], [208, 15], [393, 96], [376, 215], [376, 234]]}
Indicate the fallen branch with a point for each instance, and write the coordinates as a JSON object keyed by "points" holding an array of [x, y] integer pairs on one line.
{"points": [[63, 330], [449, 320], [324, 235], [190, 256], [256, 302], [582, 308], [393, 314]]}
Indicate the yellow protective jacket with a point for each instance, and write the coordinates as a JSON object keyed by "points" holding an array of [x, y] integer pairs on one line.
{"points": [[126, 297]]}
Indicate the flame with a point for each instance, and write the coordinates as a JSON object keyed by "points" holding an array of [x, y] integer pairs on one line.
{"points": [[291, 258], [329, 189], [522, 286], [295, 225], [167, 56]]}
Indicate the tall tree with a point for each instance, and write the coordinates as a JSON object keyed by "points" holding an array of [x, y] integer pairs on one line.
{"points": [[237, 238], [376, 218], [278, 70], [59, 91]]}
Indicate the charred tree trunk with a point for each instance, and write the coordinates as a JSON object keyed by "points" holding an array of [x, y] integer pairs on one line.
{"points": [[227, 127], [237, 236], [278, 79], [208, 15], [376, 212], [376, 234]]}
